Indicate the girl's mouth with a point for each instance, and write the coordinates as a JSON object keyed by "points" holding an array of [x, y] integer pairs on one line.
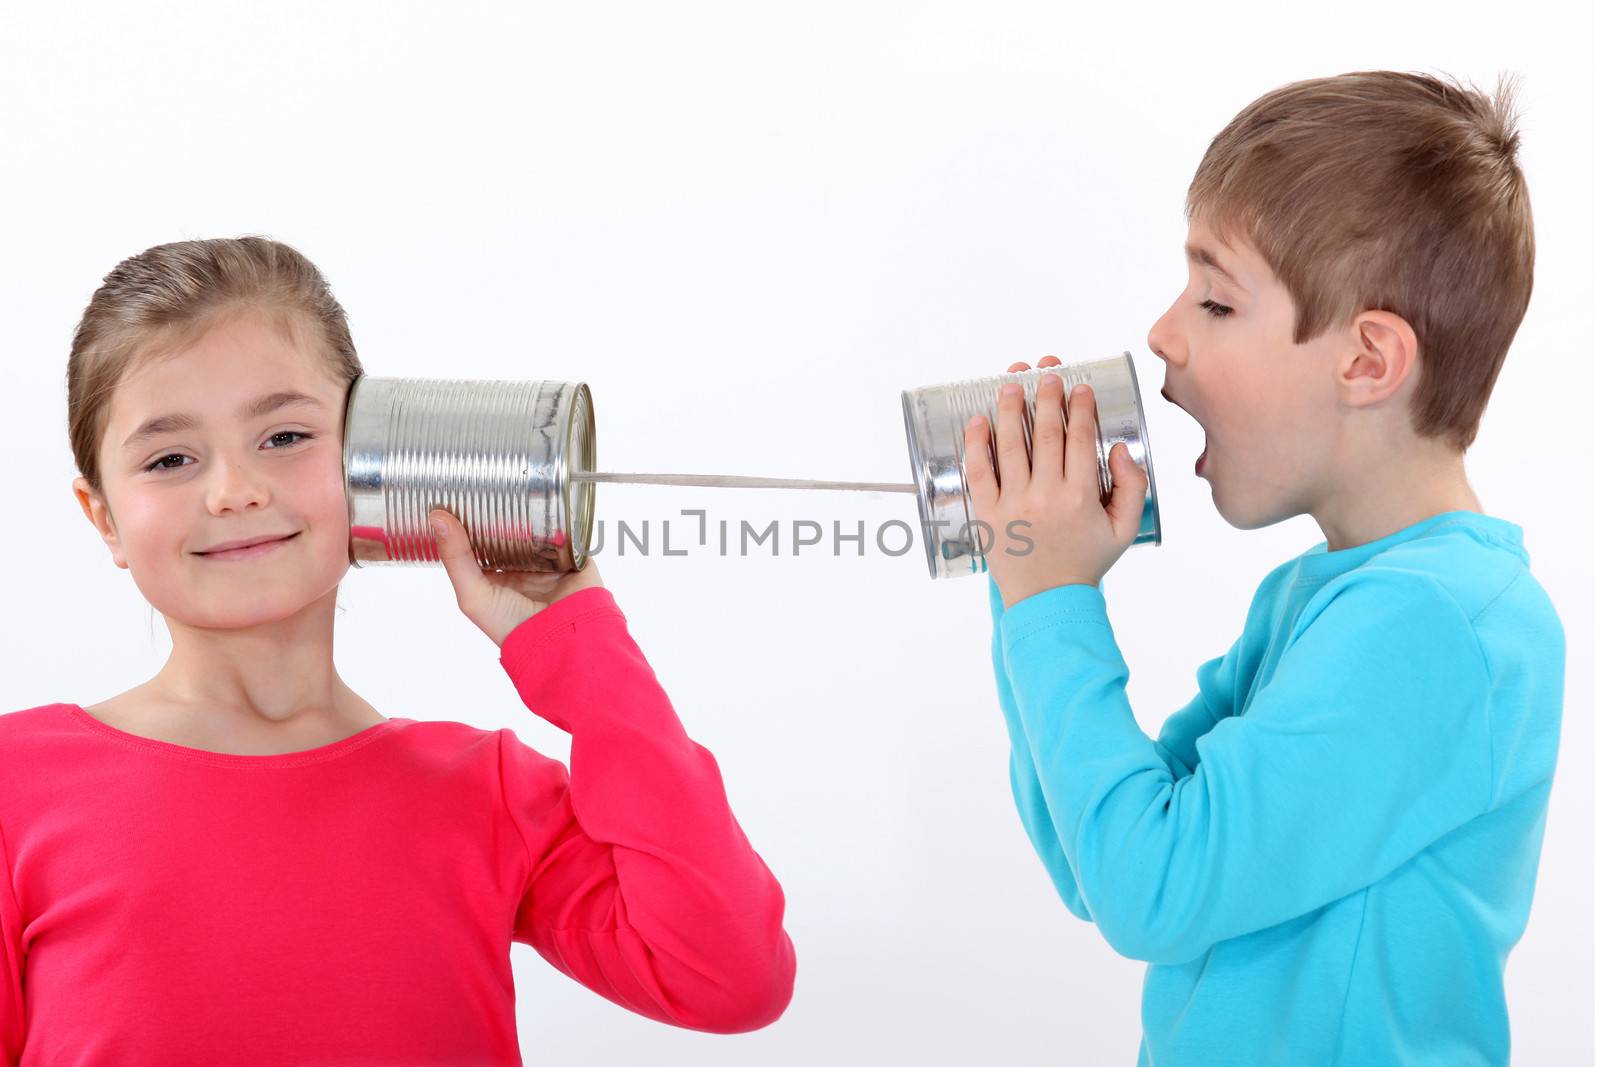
{"points": [[252, 552]]}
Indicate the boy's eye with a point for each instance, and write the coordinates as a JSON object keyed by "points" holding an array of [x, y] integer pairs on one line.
{"points": [[179, 455], [1215, 309]]}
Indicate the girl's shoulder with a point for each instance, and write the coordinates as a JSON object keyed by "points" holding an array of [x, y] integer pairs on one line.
{"points": [[41, 721]]}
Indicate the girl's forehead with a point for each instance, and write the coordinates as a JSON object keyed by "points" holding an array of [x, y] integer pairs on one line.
{"points": [[241, 351], [191, 388], [242, 333]]}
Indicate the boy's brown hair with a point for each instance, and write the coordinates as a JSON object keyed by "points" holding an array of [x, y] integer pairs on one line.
{"points": [[1391, 191]]}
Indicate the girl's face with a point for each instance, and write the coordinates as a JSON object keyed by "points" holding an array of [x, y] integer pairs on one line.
{"points": [[243, 458]]}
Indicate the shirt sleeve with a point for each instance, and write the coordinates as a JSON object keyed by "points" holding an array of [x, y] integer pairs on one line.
{"points": [[11, 1010], [1369, 742], [641, 885], [1175, 745], [1178, 740], [1025, 789]]}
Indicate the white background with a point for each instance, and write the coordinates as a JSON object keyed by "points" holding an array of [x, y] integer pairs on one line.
{"points": [[748, 228]]}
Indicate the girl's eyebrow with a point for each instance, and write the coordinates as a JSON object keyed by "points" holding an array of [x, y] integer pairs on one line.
{"points": [[1204, 257], [261, 405]]}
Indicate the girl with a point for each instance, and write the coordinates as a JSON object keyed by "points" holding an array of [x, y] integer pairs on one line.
{"points": [[242, 861]]}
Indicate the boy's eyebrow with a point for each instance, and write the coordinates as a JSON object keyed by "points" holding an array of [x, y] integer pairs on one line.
{"points": [[1204, 257], [261, 405]]}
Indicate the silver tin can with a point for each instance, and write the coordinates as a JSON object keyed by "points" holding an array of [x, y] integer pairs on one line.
{"points": [[497, 454], [936, 419]]}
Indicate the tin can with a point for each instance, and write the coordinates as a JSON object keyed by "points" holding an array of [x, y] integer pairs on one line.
{"points": [[936, 418], [497, 454]]}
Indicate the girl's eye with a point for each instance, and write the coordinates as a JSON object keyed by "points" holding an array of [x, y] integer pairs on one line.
{"points": [[179, 455], [1214, 309]]}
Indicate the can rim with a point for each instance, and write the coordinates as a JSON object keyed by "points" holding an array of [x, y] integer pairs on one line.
{"points": [[1149, 459], [578, 500], [919, 475], [344, 467]]}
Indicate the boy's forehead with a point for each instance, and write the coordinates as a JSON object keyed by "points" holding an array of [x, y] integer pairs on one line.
{"points": [[1232, 258]]}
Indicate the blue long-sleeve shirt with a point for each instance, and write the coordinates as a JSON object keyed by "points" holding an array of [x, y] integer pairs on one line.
{"points": [[1328, 853]]}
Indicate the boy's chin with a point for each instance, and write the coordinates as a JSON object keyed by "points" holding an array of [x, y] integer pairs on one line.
{"points": [[1254, 515]]}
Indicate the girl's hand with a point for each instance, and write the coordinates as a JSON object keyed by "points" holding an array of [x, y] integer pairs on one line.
{"points": [[499, 602]]}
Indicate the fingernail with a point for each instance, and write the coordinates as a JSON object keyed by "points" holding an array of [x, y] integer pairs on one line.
{"points": [[438, 528], [1079, 390], [1011, 389], [974, 422]]}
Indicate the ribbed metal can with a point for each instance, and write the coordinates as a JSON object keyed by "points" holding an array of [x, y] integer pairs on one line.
{"points": [[498, 454], [936, 419]]}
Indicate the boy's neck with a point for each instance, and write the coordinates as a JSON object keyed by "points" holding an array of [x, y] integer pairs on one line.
{"points": [[1391, 495]]}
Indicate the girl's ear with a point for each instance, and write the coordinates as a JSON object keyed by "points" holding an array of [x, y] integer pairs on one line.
{"points": [[85, 495], [98, 512]]}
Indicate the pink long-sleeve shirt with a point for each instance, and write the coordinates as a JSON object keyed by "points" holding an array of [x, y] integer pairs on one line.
{"points": [[356, 903]]}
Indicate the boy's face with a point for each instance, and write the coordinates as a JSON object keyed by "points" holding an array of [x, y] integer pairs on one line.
{"points": [[231, 476], [1267, 404]]}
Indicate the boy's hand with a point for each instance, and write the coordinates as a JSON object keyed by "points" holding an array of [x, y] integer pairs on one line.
{"points": [[499, 602], [1075, 539]]}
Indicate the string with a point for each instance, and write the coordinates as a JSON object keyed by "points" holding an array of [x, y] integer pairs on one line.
{"points": [[738, 481]]}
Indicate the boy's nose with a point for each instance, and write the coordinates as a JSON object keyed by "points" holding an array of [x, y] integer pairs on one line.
{"points": [[1165, 344]]}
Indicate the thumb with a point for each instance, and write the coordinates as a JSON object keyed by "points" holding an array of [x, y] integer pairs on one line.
{"points": [[455, 552], [1128, 483]]}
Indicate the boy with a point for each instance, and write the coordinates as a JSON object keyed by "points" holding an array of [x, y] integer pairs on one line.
{"points": [[1327, 854]]}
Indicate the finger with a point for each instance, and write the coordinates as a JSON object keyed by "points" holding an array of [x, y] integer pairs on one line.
{"points": [[1049, 429], [455, 552], [1128, 485], [978, 464], [1083, 470], [1019, 365], [1011, 456], [1049, 361]]}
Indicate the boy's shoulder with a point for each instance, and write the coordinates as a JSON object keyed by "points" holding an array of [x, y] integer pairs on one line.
{"points": [[1475, 562]]}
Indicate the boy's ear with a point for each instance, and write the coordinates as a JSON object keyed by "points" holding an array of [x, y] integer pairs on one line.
{"points": [[1381, 359]]}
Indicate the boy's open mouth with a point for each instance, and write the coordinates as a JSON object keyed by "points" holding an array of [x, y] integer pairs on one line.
{"points": [[1200, 462]]}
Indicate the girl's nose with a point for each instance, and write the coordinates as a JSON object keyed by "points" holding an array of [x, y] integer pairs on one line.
{"points": [[235, 488]]}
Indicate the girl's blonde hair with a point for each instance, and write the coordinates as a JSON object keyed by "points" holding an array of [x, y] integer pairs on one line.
{"points": [[152, 305]]}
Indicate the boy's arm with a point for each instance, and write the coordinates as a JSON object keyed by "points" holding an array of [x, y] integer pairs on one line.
{"points": [[1179, 735], [1176, 746], [1025, 789], [641, 884], [1370, 742]]}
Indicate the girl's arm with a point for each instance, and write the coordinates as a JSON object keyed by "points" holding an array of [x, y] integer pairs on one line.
{"points": [[11, 1015], [641, 884]]}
